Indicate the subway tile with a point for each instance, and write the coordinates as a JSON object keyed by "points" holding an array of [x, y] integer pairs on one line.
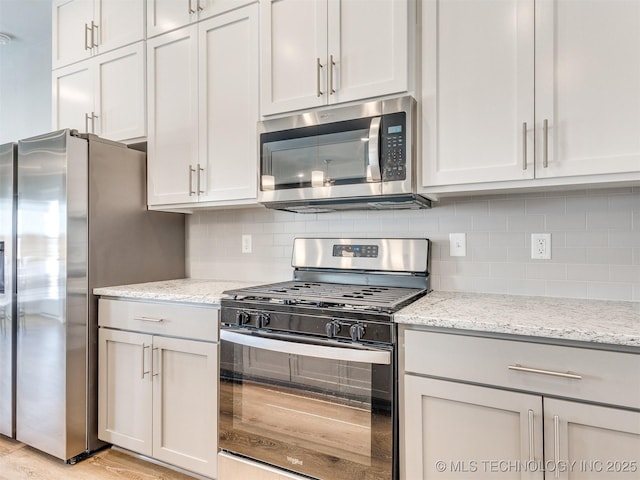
{"points": [[453, 224], [489, 254], [478, 239], [625, 273], [568, 255], [546, 271], [316, 226], [445, 268], [618, 239], [473, 269], [496, 223], [457, 284], [586, 239], [566, 289], [610, 291], [527, 287], [492, 285], [588, 272], [636, 292], [519, 255], [635, 256], [525, 223], [341, 226], [621, 220], [474, 207], [636, 221], [507, 207], [507, 270], [556, 206], [507, 239], [283, 239], [575, 221], [625, 202], [586, 204], [612, 256]]}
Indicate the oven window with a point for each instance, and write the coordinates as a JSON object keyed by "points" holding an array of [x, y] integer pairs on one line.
{"points": [[324, 418]]}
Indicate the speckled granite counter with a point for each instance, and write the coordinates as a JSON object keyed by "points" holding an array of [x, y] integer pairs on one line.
{"points": [[187, 290], [606, 322]]}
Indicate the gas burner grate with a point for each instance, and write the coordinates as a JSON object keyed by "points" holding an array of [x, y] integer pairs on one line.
{"points": [[334, 294]]}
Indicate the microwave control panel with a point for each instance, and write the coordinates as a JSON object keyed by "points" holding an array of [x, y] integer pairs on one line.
{"points": [[394, 148]]}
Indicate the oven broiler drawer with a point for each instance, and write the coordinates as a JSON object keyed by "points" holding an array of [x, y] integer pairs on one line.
{"points": [[333, 327]]}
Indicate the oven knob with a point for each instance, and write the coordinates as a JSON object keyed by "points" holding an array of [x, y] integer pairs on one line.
{"points": [[242, 318], [263, 320], [332, 329], [357, 332]]}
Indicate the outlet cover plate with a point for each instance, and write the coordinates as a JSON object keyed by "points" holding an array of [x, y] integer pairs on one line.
{"points": [[541, 246], [246, 244], [457, 244]]}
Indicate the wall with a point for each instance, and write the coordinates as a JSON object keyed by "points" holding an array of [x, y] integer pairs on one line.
{"points": [[595, 239], [25, 69]]}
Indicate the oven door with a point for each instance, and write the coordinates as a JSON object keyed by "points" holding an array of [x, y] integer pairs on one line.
{"points": [[313, 407]]}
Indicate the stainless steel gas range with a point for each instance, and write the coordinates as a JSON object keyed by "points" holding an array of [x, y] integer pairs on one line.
{"points": [[308, 367]]}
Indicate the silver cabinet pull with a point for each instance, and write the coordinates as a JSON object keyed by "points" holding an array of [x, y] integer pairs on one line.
{"points": [[531, 439], [93, 122], [200, 170], [524, 146], [94, 28], [319, 67], [545, 139], [331, 65], [191, 10], [144, 372], [149, 319], [198, 6], [191, 172], [155, 354], [86, 123], [86, 36], [520, 368], [556, 445]]}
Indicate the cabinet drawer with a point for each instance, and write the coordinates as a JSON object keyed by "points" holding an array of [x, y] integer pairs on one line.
{"points": [[604, 377], [187, 321]]}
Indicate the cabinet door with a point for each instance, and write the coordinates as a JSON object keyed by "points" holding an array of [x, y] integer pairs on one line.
{"points": [[591, 442], [451, 429], [118, 23], [368, 45], [185, 404], [73, 93], [165, 15], [125, 389], [119, 93], [478, 91], [294, 55], [587, 87], [71, 36], [172, 80], [229, 105]]}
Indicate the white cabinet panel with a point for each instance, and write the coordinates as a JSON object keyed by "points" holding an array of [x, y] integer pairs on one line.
{"points": [[588, 86], [452, 428], [597, 442], [124, 389], [165, 15], [228, 105], [84, 28], [104, 95], [73, 96], [185, 408], [477, 91], [172, 79], [294, 51]]}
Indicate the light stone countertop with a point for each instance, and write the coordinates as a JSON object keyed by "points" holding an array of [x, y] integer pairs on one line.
{"points": [[185, 290], [599, 321]]}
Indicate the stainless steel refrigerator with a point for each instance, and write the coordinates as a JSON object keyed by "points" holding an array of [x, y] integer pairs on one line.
{"points": [[81, 223], [8, 155]]}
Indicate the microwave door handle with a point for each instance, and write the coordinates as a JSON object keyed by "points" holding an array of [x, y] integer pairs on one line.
{"points": [[379, 357], [373, 169]]}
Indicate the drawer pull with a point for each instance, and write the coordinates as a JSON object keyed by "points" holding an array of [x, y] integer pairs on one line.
{"points": [[556, 444], [531, 439], [149, 319], [520, 368]]}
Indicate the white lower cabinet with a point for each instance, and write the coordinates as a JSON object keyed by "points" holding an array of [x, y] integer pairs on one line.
{"points": [[157, 394], [467, 424]]}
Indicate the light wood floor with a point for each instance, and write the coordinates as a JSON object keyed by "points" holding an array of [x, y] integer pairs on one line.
{"points": [[19, 462]]}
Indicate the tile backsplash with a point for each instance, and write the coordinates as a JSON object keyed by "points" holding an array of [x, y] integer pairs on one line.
{"points": [[595, 238]]}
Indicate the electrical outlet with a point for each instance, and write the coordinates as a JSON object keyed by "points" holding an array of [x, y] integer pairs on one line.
{"points": [[457, 244], [541, 246], [246, 243]]}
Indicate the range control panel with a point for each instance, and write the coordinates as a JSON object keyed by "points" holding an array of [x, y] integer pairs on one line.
{"points": [[369, 251]]}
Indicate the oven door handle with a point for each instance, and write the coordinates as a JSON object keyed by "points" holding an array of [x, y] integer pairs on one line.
{"points": [[378, 357]]}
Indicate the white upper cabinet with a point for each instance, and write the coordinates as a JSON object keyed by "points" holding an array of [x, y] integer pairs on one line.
{"points": [[104, 95], [317, 52], [587, 87], [166, 15], [513, 98], [83, 28], [203, 112]]}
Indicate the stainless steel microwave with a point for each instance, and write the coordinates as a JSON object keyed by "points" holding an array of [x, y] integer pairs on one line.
{"points": [[345, 158]]}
